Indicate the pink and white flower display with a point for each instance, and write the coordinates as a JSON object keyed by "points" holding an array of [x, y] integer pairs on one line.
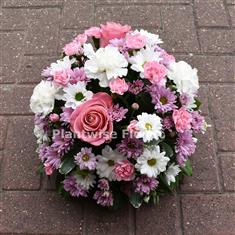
{"points": [[116, 117]]}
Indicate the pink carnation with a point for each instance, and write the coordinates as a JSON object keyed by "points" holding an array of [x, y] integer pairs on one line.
{"points": [[72, 48], [81, 38], [48, 168], [62, 77], [132, 128], [124, 170], [113, 30], [54, 117], [118, 86], [135, 41], [93, 32], [182, 119], [154, 71]]}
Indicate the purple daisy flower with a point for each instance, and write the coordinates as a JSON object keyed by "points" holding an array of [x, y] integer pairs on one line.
{"points": [[103, 198], [53, 158], [85, 159], [197, 122], [42, 151], [136, 87], [144, 184], [62, 141], [163, 98], [75, 189], [131, 147], [117, 113], [66, 114], [168, 123], [185, 146]]}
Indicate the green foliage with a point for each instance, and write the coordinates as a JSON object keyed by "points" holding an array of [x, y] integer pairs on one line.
{"points": [[167, 148], [198, 103], [40, 169], [67, 165], [187, 169], [136, 200]]}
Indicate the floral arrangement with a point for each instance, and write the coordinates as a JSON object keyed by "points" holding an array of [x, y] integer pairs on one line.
{"points": [[116, 117]]}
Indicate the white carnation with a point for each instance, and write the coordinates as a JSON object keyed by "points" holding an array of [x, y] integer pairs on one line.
{"points": [[43, 98], [104, 64], [184, 77]]}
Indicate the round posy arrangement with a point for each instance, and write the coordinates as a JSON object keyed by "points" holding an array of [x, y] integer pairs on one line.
{"points": [[115, 117]]}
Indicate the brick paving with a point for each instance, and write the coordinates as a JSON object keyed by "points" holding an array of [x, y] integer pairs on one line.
{"points": [[198, 31]]}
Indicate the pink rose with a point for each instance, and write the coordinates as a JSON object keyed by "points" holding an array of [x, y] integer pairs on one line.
{"points": [[72, 48], [62, 77], [124, 170], [154, 72], [118, 86], [91, 121], [132, 128], [135, 41], [113, 30], [93, 32], [182, 119], [81, 38], [54, 117], [48, 168]]}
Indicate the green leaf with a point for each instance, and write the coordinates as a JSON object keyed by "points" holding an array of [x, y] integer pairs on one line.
{"points": [[187, 168], [167, 148], [198, 103], [40, 169], [67, 165], [136, 200]]}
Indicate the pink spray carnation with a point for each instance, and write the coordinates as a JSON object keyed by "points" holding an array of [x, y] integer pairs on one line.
{"points": [[182, 119], [93, 32], [135, 41], [124, 170], [154, 71], [62, 77], [81, 38], [113, 30], [118, 86], [132, 128], [72, 48], [54, 117]]}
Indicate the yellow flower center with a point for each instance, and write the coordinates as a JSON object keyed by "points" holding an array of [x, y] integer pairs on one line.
{"points": [[148, 126], [152, 162], [163, 100], [85, 157], [111, 162]]}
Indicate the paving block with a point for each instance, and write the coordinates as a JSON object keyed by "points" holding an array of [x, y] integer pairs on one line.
{"points": [[208, 214], [20, 159], [3, 131]]}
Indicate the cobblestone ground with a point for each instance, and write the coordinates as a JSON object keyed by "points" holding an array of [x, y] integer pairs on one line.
{"points": [[199, 31]]}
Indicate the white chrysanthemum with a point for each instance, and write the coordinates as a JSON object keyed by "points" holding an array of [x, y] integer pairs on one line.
{"points": [[152, 162], [40, 135], [106, 163], [87, 181], [76, 94], [43, 98], [62, 64], [104, 64], [184, 77], [171, 172], [149, 127], [151, 39], [141, 57]]}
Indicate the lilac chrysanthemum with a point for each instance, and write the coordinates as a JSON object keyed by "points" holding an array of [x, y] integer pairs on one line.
{"points": [[168, 123], [197, 121], [144, 184], [62, 141], [53, 158], [75, 189], [41, 122], [66, 114], [117, 113], [136, 87], [103, 198], [185, 146], [42, 151], [131, 147], [78, 75], [163, 98], [103, 184], [85, 159]]}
